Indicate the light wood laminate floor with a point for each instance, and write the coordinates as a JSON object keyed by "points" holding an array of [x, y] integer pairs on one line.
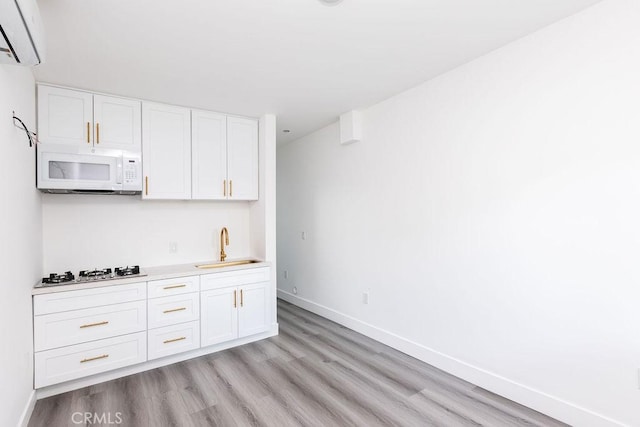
{"points": [[315, 373]]}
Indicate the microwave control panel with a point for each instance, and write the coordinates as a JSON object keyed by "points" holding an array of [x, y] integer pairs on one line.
{"points": [[132, 174]]}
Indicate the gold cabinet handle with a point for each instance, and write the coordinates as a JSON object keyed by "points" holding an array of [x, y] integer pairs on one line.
{"points": [[175, 309], [146, 185], [241, 299], [104, 356], [175, 286], [231, 189], [174, 340], [88, 133], [90, 325], [224, 187], [235, 299], [97, 133]]}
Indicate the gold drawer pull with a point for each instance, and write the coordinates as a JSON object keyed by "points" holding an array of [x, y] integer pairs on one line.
{"points": [[175, 309], [88, 133], [104, 356], [98, 133], [175, 286], [90, 325], [175, 339], [241, 298], [235, 300]]}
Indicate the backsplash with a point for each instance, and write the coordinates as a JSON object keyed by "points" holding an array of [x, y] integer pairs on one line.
{"points": [[87, 231]]}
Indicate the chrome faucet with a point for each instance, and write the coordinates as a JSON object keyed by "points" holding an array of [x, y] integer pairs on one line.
{"points": [[224, 239]]}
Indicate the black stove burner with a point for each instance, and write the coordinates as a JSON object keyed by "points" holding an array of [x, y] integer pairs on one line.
{"points": [[88, 276], [95, 274], [58, 278], [127, 271]]}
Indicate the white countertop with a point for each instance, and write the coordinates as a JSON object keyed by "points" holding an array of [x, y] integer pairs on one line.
{"points": [[153, 273]]}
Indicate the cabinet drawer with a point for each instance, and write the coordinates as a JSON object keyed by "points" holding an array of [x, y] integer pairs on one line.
{"points": [[234, 278], [180, 285], [82, 360], [77, 326], [174, 309], [173, 339], [85, 298]]}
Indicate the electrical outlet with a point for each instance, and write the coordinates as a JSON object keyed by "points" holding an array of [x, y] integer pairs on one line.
{"points": [[303, 235], [295, 290], [286, 274], [173, 247], [365, 297]]}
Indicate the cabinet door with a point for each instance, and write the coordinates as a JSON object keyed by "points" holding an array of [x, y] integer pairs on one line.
{"points": [[65, 116], [218, 316], [242, 158], [253, 311], [166, 151], [117, 123], [209, 155]]}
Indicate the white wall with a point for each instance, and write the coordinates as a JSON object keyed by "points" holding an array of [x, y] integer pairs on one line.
{"points": [[20, 237], [87, 231], [263, 211], [494, 215]]}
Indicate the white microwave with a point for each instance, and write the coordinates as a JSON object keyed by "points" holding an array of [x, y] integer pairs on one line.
{"points": [[70, 169]]}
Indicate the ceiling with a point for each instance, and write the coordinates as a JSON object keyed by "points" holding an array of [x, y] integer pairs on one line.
{"points": [[302, 60]]}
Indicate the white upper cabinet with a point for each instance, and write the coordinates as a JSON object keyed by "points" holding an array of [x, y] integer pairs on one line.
{"points": [[166, 151], [117, 123], [209, 155], [242, 158], [65, 116], [187, 154], [225, 157], [73, 117]]}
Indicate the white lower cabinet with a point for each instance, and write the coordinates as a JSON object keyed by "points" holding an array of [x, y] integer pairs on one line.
{"points": [[174, 309], [234, 312], [253, 313], [81, 360], [219, 320], [168, 287], [173, 339], [57, 302], [174, 320], [90, 324], [89, 331]]}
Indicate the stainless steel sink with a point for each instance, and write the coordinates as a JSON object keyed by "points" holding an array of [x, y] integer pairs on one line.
{"points": [[227, 263]]}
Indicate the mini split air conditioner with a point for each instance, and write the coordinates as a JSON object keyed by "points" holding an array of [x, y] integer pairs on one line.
{"points": [[21, 33]]}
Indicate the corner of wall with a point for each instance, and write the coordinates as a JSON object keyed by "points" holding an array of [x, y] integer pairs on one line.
{"points": [[263, 211], [21, 232]]}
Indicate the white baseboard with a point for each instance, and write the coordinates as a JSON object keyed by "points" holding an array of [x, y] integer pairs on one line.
{"points": [[28, 410], [527, 396]]}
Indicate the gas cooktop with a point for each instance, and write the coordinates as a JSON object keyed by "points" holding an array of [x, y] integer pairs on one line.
{"points": [[91, 276]]}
